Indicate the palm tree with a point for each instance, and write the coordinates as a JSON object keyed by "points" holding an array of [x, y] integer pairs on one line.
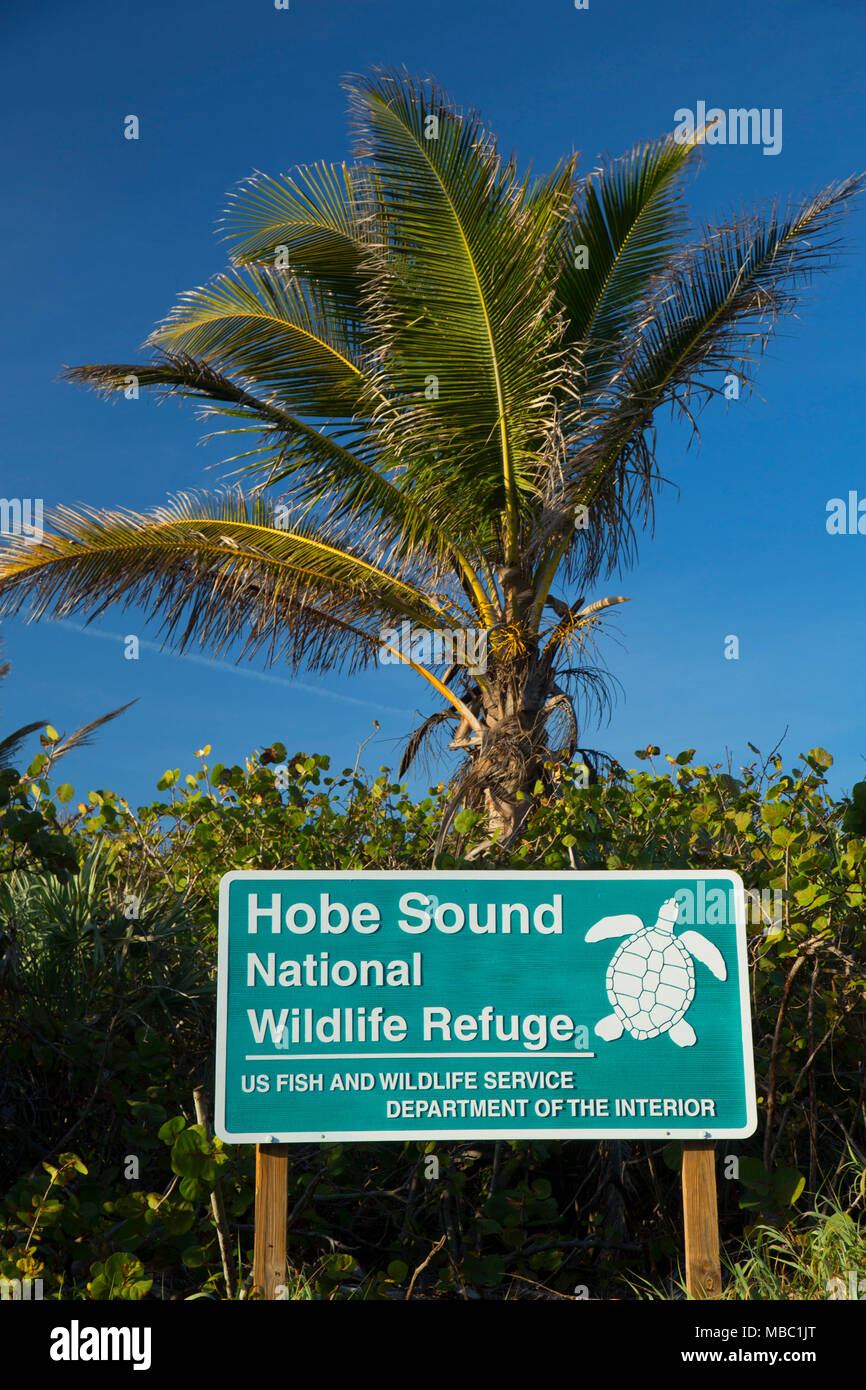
{"points": [[451, 373]]}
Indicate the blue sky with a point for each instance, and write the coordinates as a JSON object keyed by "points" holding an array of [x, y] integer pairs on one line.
{"points": [[102, 233]]}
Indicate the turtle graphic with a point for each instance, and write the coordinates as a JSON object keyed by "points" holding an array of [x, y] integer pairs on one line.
{"points": [[651, 980]]}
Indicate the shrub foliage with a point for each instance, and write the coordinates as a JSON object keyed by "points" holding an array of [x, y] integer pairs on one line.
{"points": [[107, 987]]}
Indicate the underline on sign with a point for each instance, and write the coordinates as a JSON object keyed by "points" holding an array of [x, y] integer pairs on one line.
{"points": [[394, 1056]]}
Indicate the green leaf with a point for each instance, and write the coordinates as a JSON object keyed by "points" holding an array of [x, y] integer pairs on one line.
{"points": [[487, 1270], [71, 1160], [120, 1276], [169, 1131], [753, 1174], [783, 836], [819, 757], [193, 1189], [855, 814], [672, 1156], [178, 1217], [191, 1155], [147, 1111], [787, 1185], [194, 1256]]}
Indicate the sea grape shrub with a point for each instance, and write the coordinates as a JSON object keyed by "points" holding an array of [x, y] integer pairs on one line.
{"points": [[111, 1025], [794, 846], [29, 833]]}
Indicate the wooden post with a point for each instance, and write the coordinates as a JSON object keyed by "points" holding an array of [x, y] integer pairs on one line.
{"points": [[269, 1245], [701, 1219]]}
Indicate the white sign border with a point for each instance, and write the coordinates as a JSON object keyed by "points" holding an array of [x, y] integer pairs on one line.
{"points": [[554, 876]]}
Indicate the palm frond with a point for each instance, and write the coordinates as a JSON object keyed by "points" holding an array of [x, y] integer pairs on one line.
{"points": [[716, 307], [179, 374], [316, 463], [83, 737], [473, 314], [321, 218], [723, 297], [218, 570], [419, 736], [627, 222], [562, 732], [594, 690], [10, 746], [575, 622], [275, 331]]}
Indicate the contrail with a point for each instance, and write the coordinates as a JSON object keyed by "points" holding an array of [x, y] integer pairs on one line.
{"points": [[233, 670]]}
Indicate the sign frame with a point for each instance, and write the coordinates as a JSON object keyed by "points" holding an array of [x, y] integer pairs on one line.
{"points": [[425, 1129]]}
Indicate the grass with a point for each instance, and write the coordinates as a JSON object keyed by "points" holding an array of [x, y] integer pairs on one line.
{"points": [[820, 1254]]}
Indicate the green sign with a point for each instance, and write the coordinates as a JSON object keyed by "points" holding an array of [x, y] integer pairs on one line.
{"points": [[380, 1005]]}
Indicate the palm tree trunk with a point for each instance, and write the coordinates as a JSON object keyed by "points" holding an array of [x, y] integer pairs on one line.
{"points": [[512, 756]]}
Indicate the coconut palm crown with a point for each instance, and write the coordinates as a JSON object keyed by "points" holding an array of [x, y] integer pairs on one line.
{"points": [[450, 373]]}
